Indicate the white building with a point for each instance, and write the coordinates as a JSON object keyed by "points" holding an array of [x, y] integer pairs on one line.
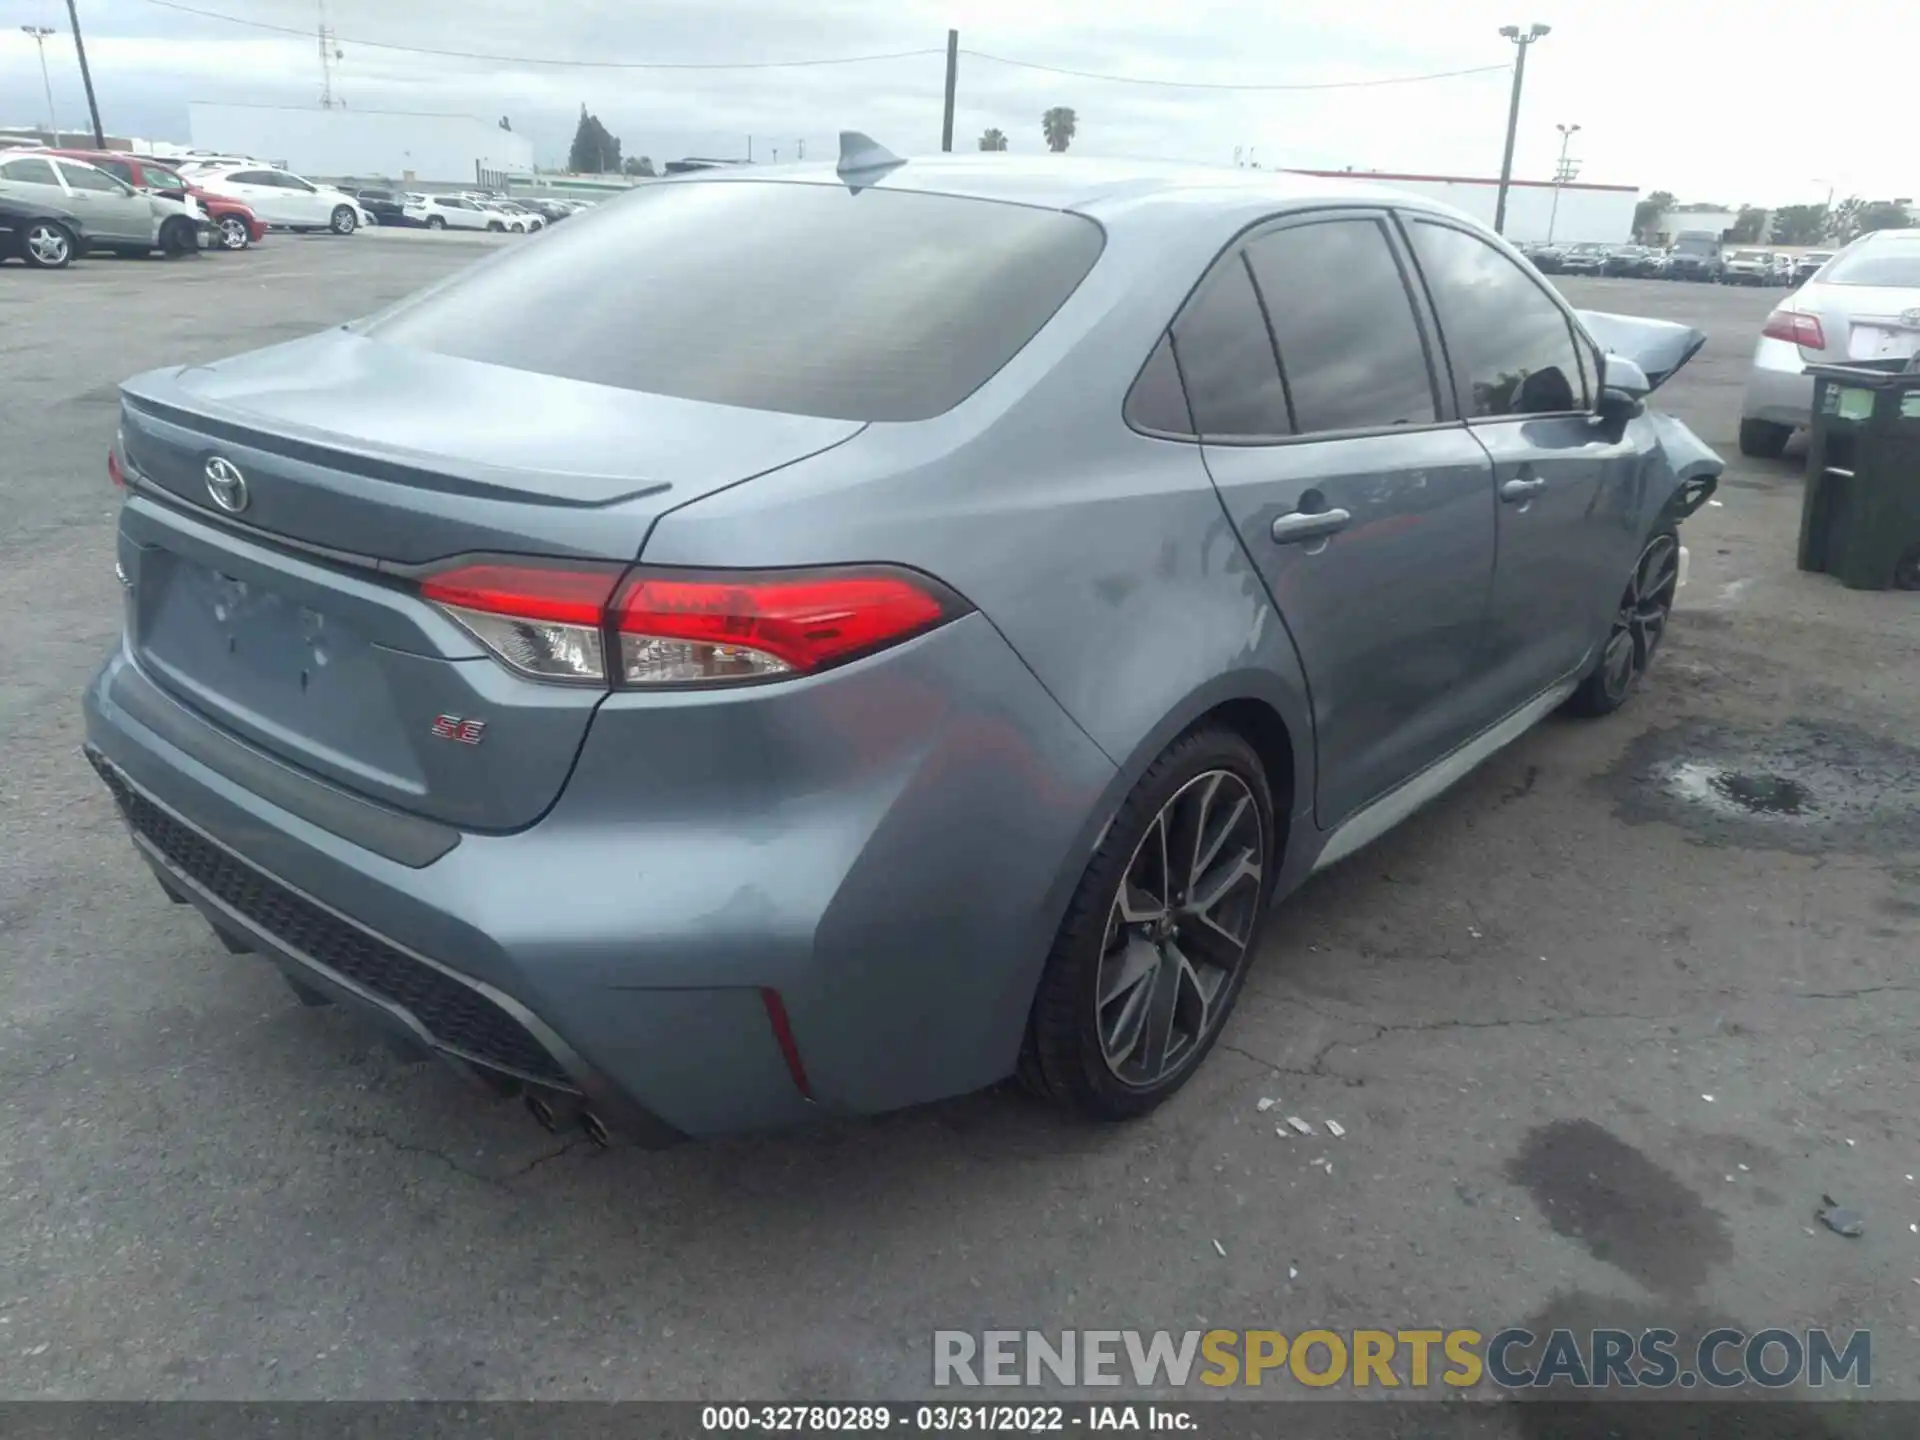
{"points": [[340, 142], [1716, 222], [1536, 209]]}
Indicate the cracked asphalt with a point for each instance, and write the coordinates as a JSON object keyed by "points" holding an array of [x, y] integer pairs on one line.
{"points": [[1598, 1048]]}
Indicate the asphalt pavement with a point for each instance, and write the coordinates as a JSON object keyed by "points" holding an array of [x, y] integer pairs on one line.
{"points": [[1601, 1026]]}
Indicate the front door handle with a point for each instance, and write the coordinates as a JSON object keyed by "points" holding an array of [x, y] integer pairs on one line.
{"points": [[1516, 492], [1309, 525]]}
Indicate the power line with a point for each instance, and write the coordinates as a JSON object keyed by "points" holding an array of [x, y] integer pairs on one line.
{"points": [[539, 60], [1218, 85], [803, 64]]}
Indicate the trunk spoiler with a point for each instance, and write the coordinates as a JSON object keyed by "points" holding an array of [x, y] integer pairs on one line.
{"points": [[1658, 347]]}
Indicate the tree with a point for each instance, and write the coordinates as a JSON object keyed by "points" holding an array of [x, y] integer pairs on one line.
{"points": [[1748, 226], [1881, 215], [994, 139], [1059, 125], [1646, 215], [639, 165], [1799, 224], [1844, 223], [595, 150]]}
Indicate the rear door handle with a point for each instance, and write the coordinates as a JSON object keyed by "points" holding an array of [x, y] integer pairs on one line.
{"points": [[1309, 525], [1516, 491]]}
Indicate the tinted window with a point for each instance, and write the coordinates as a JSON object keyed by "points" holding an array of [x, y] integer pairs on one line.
{"points": [[82, 178], [809, 299], [1341, 315], [163, 178], [1226, 358], [30, 172], [254, 177], [1878, 262], [376, 194], [1511, 346], [119, 169], [1156, 401], [292, 182]]}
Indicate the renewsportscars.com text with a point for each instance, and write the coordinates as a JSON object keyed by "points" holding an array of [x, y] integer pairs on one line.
{"points": [[1512, 1358]]}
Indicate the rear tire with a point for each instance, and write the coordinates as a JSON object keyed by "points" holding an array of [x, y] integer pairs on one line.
{"points": [[1763, 439], [496, 227], [1639, 625], [434, 222], [234, 234], [48, 245], [1160, 933]]}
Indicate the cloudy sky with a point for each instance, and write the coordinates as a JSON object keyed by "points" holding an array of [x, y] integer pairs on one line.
{"points": [[1710, 101]]}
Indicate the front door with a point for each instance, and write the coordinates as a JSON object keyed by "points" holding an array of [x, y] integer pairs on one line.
{"points": [[112, 210], [1569, 510], [260, 190], [1365, 504]]}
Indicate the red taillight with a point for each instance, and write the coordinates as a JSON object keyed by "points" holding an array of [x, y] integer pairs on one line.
{"points": [[677, 630], [547, 622], [783, 1037], [555, 622], [114, 472], [1796, 329]]}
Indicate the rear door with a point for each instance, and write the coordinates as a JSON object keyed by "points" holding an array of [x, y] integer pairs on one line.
{"points": [[33, 180], [261, 191], [113, 210], [1365, 504], [1570, 512]]}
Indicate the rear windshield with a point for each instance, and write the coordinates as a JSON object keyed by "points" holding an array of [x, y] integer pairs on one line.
{"points": [[1879, 262], [803, 298]]}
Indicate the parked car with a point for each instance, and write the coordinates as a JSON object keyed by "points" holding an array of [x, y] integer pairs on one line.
{"points": [[1547, 258], [1694, 255], [1632, 261], [45, 236], [1747, 267], [113, 215], [387, 207], [235, 226], [547, 209], [1586, 259], [1863, 305], [1806, 266], [528, 218], [963, 744], [284, 199], [452, 212]]}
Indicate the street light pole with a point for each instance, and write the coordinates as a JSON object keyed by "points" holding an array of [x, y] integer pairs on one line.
{"points": [[86, 75], [1562, 173], [1521, 42], [40, 34]]}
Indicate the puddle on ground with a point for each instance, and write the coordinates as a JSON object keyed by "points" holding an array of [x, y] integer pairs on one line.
{"points": [[1804, 785]]}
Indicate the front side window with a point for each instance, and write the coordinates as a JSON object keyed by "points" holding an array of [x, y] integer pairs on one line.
{"points": [[162, 178], [119, 169], [808, 299], [1349, 343], [294, 182], [82, 177], [1511, 346], [30, 170], [1226, 358], [253, 177]]}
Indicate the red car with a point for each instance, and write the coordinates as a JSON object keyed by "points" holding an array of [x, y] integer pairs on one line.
{"points": [[235, 226]]}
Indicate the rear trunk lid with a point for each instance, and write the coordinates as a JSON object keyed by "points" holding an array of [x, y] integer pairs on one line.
{"points": [[1862, 322], [284, 607]]}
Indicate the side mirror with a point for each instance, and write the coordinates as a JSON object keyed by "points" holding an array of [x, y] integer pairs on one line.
{"points": [[1619, 373], [1619, 406]]}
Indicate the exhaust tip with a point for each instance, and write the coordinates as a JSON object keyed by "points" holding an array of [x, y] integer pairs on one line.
{"points": [[596, 1130], [543, 1113]]}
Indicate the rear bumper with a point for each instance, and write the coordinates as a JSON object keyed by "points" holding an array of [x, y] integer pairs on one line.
{"points": [[888, 848], [1778, 389]]}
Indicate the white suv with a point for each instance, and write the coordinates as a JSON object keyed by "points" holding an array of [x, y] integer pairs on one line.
{"points": [[284, 199], [457, 212]]}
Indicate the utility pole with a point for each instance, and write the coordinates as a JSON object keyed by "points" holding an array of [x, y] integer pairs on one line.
{"points": [[1521, 42], [1562, 174], [40, 34], [86, 77], [953, 80], [329, 52], [800, 149]]}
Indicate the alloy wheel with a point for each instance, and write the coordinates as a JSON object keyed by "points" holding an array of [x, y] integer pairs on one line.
{"points": [[49, 245], [233, 232], [1642, 618], [344, 222], [1179, 927]]}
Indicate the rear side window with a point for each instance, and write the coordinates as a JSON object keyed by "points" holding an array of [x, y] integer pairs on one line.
{"points": [[254, 177], [1156, 402], [803, 298], [1878, 262], [1510, 344], [29, 171], [1226, 358], [1342, 317]]}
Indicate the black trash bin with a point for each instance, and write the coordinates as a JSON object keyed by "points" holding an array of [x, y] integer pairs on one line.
{"points": [[1860, 518]]}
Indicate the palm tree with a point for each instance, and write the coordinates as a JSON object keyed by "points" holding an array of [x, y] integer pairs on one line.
{"points": [[1058, 125], [994, 139]]}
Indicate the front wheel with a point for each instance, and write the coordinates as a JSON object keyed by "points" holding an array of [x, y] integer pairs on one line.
{"points": [[1639, 625], [343, 221], [48, 245], [434, 222], [177, 238], [1156, 944], [234, 234], [1763, 439]]}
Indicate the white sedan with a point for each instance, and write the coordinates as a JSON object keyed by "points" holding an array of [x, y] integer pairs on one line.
{"points": [[283, 199], [457, 212]]}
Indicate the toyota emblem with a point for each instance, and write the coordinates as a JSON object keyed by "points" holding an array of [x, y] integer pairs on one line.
{"points": [[226, 484]]}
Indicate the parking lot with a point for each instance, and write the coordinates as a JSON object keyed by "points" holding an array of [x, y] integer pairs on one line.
{"points": [[1601, 1026]]}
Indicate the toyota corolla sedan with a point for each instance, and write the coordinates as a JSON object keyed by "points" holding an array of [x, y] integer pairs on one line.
{"points": [[830, 638]]}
